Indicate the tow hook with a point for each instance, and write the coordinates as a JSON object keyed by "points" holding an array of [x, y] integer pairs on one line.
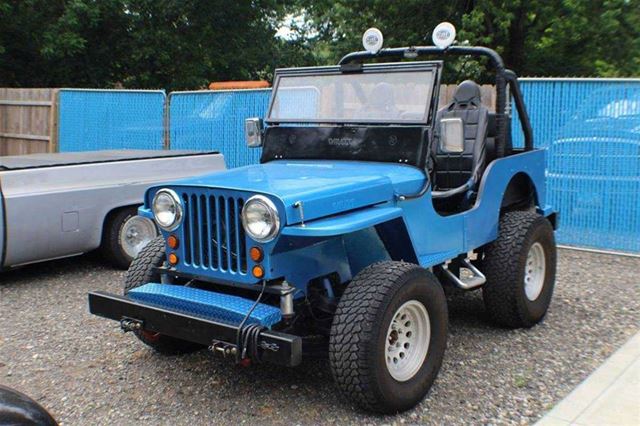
{"points": [[130, 324], [227, 349], [223, 348]]}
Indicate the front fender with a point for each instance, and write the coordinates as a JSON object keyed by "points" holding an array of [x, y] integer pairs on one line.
{"points": [[341, 244]]}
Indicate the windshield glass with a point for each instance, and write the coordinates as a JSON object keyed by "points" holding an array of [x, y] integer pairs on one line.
{"points": [[381, 96]]}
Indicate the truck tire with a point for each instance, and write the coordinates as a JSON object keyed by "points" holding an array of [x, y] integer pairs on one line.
{"points": [[125, 234], [142, 272], [388, 336], [520, 266]]}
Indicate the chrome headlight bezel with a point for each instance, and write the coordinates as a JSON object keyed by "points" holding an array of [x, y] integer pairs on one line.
{"points": [[177, 204], [273, 213]]}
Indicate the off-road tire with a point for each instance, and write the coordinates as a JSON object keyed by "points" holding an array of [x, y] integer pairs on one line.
{"points": [[357, 342], [142, 272], [111, 248], [504, 265]]}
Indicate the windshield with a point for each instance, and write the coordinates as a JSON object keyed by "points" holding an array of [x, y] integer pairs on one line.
{"points": [[365, 97]]}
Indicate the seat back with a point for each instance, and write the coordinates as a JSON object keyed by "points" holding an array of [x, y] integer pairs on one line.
{"points": [[453, 169]]}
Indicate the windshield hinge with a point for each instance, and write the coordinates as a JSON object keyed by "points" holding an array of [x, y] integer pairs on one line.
{"points": [[298, 205]]}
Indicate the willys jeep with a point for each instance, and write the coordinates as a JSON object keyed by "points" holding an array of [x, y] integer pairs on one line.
{"points": [[368, 203]]}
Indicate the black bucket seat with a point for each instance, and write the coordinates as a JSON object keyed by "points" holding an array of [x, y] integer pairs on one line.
{"points": [[456, 175]]}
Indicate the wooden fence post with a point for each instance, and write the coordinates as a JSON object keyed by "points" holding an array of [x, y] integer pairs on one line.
{"points": [[53, 122]]}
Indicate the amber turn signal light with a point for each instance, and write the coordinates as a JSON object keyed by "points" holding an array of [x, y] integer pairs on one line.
{"points": [[258, 271], [256, 254], [172, 241], [173, 259]]}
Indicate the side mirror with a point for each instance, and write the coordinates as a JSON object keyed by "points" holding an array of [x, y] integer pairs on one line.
{"points": [[452, 135], [253, 132]]}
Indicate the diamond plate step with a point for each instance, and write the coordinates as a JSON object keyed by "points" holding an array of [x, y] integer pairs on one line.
{"points": [[205, 304]]}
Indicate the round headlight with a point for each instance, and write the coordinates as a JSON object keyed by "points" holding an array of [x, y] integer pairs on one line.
{"points": [[167, 209], [260, 218]]}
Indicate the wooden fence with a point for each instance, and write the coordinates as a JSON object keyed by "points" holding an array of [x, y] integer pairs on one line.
{"points": [[28, 121]]}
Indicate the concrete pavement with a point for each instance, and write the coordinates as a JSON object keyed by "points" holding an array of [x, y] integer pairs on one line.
{"points": [[609, 396]]}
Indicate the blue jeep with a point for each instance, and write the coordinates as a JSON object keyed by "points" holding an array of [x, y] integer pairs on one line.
{"points": [[368, 203]]}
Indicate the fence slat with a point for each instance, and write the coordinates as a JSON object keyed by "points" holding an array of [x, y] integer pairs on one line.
{"points": [[214, 120], [110, 119]]}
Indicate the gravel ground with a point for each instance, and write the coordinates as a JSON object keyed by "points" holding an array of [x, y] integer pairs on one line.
{"points": [[85, 371]]}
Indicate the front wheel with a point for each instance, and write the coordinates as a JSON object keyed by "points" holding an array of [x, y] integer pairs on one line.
{"points": [[520, 266], [388, 336]]}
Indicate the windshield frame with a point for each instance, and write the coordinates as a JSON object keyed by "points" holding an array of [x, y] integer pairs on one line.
{"points": [[434, 67]]}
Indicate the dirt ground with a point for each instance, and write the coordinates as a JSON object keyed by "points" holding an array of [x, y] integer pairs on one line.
{"points": [[86, 371]]}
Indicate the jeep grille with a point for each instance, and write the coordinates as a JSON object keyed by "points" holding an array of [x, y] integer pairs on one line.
{"points": [[213, 234]]}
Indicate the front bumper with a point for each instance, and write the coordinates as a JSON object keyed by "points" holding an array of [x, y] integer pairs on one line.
{"points": [[275, 347]]}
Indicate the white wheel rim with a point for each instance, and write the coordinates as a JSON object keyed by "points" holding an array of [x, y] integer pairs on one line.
{"points": [[136, 233], [407, 340], [534, 272]]}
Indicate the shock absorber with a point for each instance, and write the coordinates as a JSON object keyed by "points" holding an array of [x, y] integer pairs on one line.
{"points": [[286, 301]]}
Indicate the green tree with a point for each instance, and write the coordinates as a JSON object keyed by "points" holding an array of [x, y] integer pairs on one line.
{"points": [[185, 44], [171, 44], [535, 37]]}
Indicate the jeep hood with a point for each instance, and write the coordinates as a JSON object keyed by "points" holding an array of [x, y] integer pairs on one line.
{"points": [[324, 187]]}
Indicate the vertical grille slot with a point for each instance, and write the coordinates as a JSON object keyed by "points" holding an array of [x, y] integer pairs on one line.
{"points": [[213, 236], [224, 230], [204, 228], [195, 230], [187, 229], [242, 250]]}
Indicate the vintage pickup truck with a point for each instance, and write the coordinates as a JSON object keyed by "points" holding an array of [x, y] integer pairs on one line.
{"points": [[65, 204]]}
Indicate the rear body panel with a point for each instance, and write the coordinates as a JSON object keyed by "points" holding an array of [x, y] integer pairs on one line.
{"points": [[54, 210]]}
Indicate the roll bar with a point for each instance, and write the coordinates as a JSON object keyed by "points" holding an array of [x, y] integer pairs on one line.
{"points": [[504, 77]]}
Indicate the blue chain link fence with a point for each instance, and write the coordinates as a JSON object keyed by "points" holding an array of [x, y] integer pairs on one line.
{"points": [[591, 128], [215, 121], [110, 119]]}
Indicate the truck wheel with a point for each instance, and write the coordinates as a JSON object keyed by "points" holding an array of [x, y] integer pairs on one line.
{"points": [[388, 336], [520, 267], [125, 234], [142, 272]]}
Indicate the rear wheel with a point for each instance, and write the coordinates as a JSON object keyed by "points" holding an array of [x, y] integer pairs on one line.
{"points": [[388, 336], [142, 271], [125, 234], [520, 266]]}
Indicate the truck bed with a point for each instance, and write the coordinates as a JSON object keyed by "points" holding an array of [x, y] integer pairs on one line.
{"points": [[34, 161], [56, 205]]}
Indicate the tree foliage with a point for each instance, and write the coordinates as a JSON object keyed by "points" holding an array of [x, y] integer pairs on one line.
{"points": [[171, 44], [184, 44], [536, 37]]}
